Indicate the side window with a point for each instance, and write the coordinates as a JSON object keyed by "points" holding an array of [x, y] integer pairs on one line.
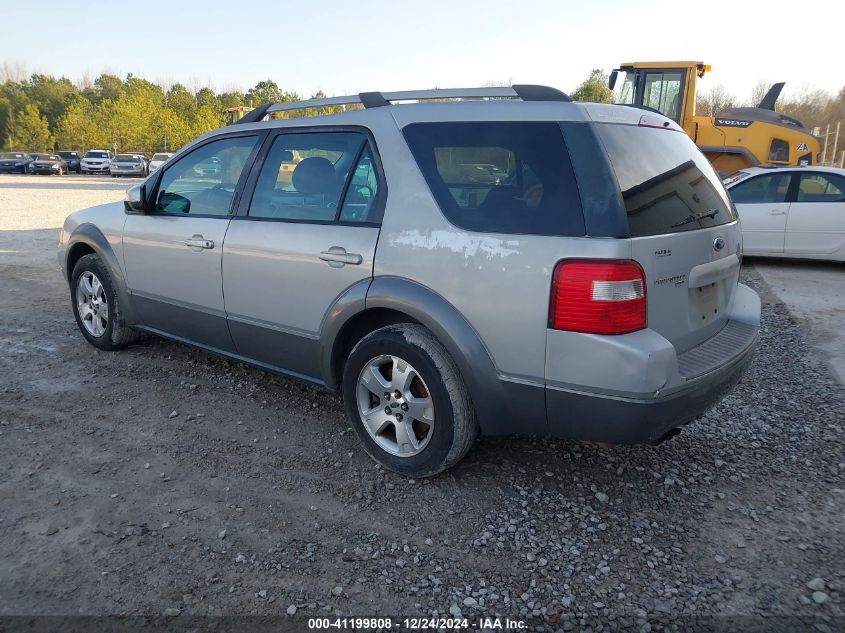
{"points": [[304, 175], [662, 92], [770, 188], [499, 177], [779, 151], [361, 195], [203, 182], [818, 187]]}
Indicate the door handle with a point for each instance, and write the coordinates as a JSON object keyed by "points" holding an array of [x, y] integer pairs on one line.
{"points": [[337, 257], [777, 212], [198, 243]]}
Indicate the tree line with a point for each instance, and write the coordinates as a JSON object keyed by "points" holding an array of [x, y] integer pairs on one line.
{"points": [[44, 113]]}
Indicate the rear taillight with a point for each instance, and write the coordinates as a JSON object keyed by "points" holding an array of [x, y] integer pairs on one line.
{"points": [[598, 296]]}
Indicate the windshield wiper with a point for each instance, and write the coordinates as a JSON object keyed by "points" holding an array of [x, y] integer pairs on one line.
{"points": [[710, 213]]}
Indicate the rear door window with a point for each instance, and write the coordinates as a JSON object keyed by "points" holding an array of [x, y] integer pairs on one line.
{"points": [[817, 187], [667, 184], [317, 177], [499, 177]]}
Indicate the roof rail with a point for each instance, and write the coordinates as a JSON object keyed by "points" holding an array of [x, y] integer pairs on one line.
{"points": [[526, 92]]}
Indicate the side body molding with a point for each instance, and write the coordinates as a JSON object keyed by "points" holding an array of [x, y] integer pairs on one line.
{"points": [[93, 237], [502, 406]]}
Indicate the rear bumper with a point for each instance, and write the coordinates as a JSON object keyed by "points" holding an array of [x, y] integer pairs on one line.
{"points": [[634, 388], [616, 420]]}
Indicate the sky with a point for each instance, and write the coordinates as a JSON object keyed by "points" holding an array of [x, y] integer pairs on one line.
{"points": [[348, 46]]}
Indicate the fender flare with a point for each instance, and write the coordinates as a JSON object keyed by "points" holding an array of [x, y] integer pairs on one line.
{"points": [[93, 237], [491, 400]]}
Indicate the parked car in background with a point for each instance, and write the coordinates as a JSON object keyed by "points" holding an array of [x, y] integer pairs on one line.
{"points": [[95, 161], [14, 162], [71, 159], [48, 164], [585, 286], [158, 159], [129, 164], [791, 212], [210, 167]]}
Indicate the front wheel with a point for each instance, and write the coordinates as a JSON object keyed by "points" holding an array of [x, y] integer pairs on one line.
{"points": [[96, 305], [406, 401]]}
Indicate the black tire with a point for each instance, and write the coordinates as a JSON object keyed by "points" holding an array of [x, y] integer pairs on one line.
{"points": [[117, 334], [454, 429]]}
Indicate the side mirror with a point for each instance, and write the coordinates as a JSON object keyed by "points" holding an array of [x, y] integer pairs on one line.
{"points": [[611, 81], [136, 197]]}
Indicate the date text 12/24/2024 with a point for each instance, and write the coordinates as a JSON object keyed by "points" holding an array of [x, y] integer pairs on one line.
{"points": [[416, 624]]}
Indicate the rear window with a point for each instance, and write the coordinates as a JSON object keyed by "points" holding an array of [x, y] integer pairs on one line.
{"points": [[499, 177], [160, 156], [667, 184]]}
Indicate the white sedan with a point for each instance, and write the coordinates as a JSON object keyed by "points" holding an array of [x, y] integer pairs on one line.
{"points": [[791, 212]]}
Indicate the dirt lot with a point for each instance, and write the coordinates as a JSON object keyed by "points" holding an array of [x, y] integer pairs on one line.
{"points": [[165, 480]]}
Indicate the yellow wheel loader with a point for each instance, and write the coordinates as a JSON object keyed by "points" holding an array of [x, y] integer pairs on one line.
{"points": [[733, 138]]}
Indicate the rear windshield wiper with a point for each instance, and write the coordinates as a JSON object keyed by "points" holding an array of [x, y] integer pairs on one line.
{"points": [[710, 213]]}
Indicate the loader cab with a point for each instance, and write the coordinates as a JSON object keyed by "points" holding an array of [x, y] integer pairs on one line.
{"points": [[668, 89]]}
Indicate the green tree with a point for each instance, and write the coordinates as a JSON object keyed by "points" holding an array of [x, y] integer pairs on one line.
{"points": [[52, 96], [268, 91], [79, 129], [594, 88], [107, 87], [31, 130]]}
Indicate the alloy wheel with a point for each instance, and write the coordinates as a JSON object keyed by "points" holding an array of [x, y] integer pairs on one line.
{"points": [[395, 406], [91, 304]]}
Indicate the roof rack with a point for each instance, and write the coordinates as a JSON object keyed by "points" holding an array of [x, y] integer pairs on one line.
{"points": [[526, 92]]}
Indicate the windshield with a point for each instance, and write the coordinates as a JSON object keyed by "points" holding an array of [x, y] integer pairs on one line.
{"points": [[96, 155], [69, 154], [127, 158], [667, 185], [161, 157], [7, 155]]}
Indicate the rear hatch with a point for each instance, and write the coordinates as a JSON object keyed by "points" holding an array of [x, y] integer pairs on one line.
{"points": [[683, 228]]}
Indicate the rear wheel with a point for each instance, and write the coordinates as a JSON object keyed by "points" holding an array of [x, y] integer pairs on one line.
{"points": [[96, 305], [407, 402]]}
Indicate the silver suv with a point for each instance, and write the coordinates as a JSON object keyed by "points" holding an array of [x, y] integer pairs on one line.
{"points": [[492, 261]]}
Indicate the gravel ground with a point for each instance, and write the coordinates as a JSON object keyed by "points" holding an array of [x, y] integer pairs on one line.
{"points": [[163, 480]]}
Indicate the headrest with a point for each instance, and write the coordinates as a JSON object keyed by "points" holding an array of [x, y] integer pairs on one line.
{"points": [[314, 175]]}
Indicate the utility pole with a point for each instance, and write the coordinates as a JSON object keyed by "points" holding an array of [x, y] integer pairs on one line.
{"points": [[835, 143], [824, 148]]}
